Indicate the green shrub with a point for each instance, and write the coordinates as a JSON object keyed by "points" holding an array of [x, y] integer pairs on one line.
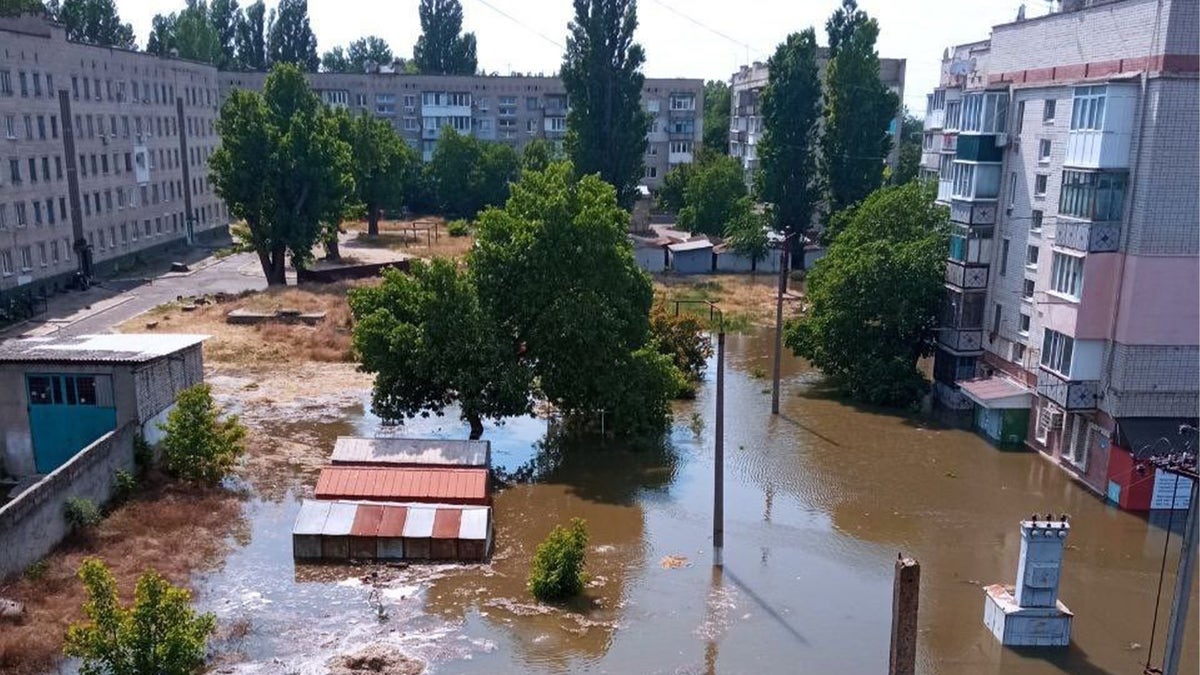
{"points": [[81, 513], [458, 228], [123, 486], [36, 570], [143, 454], [557, 572], [198, 445]]}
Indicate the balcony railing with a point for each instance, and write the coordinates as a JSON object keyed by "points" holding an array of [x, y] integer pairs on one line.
{"points": [[1069, 394], [1082, 235], [961, 341], [934, 119], [966, 276]]}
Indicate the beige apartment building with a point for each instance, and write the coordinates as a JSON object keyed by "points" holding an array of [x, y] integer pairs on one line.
{"points": [[507, 109], [103, 154]]}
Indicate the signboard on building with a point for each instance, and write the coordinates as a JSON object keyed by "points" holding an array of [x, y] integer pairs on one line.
{"points": [[1170, 491]]}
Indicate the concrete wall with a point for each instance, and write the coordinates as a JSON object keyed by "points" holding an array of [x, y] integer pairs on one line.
{"points": [[692, 262], [650, 259], [33, 524]]}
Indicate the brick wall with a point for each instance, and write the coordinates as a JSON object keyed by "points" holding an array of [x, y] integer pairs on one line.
{"points": [[160, 381], [1152, 380], [33, 524], [1167, 178]]}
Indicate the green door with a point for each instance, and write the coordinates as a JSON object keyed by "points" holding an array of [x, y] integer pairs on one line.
{"points": [[66, 414]]}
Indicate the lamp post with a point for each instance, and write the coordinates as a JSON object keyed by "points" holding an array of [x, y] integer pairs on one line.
{"points": [[719, 432]]}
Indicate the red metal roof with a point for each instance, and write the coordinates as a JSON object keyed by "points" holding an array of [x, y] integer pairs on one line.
{"points": [[392, 523], [450, 486], [366, 521], [446, 523]]}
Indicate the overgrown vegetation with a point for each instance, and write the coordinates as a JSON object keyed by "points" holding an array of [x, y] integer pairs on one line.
{"points": [[684, 339], [458, 228], [557, 572], [124, 484], [158, 634], [198, 445], [81, 514]]}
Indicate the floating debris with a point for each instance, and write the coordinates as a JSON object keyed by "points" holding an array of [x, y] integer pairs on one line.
{"points": [[674, 562]]}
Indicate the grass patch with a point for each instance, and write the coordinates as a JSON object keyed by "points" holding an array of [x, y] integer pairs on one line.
{"points": [[747, 300]]}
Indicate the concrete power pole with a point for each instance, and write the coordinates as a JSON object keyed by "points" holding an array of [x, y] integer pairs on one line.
{"points": [[784, 263], [1177, 629]]}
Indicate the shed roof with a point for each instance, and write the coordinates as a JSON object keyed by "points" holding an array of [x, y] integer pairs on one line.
{"points": [[997, 393], [373, 519], [694, 245], [464, 486], [355, 450], [106, 348]]}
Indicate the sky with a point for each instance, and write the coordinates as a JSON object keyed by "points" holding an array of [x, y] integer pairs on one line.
{"points": [[706, 39]]}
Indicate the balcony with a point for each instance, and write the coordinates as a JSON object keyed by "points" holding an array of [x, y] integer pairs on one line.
{"points": [[679, 158], [945, 189], [961, 341], [930, 160], [1101, 127], [966, 276], [974, 214], [1071, 395], [935, 119], [1081, 235], [950, 144], [978, 148]]}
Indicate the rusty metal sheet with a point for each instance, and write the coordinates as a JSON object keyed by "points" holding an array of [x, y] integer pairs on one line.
{"points": [[366, 520], [391, 524], [457, 486], [446, 523]]}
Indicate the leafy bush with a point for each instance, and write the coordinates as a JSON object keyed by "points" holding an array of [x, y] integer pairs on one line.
{"points": [[458, 228], [36, 570], [160, 633], [123, 486], [682, 337], [198, 445], [557, 572], [81, 513]]}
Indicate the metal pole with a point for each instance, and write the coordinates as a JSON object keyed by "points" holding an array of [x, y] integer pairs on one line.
{"points": [[783, 272], [906, 587], [1176, 631], [719, 456]]}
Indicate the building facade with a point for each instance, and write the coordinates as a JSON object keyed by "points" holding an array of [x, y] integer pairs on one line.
{"points": [[1066, 148], [103, 154], [506, 109], [745, 114]]}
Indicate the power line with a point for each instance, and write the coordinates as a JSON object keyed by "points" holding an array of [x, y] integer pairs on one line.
{"points": [[520, 23], [706, 27]]}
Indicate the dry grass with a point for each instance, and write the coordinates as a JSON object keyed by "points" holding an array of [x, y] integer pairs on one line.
{"points": [[264, 344], [168, 528], [746, 299], [397, 235]]}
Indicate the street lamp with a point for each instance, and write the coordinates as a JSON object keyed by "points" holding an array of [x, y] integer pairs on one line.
{"points": [[719, 441]]}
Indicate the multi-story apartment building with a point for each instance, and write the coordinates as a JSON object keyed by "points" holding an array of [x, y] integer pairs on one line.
{"points": [[507, 109], [745, 114], [103, 154], [1066, 147]]}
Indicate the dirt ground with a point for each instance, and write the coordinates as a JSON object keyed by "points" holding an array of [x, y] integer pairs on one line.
{"points": [[746, 299], [423, 237]]}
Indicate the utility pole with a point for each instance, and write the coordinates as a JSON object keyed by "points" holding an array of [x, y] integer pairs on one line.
{"points": [[783, 279], [906, 589], [1177, 628]]}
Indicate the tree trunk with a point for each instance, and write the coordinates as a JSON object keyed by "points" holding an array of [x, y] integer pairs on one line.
{"points": [[273, 265], [372, 221], [332, 252], [476, 427]]}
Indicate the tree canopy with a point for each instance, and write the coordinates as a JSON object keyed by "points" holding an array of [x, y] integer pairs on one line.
{"points": [[712, 194], [19, 7], [290, 38], [874, 297], [382, 165], [908, 164], [602, 73], [282, 167], [858, 109], [93, 22], [223, 15], [442, 48], [190, 33], [355, 57], [251, 38], [716, 117], [787, 179], [468, 174]]}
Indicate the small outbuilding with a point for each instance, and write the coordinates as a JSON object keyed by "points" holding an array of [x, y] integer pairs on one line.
{"points": [[440, 486], [340, 530], [692, 257], [411, 452]]}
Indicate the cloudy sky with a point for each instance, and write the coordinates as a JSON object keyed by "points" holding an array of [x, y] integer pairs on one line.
{"points": [[683, 38]]}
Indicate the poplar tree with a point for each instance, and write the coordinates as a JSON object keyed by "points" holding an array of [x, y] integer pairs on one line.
{"points": [[250, 39], [290, 38], [441, 50]]}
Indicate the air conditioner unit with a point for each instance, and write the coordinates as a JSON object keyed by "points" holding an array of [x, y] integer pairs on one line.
{"points": [[1001, 140]]}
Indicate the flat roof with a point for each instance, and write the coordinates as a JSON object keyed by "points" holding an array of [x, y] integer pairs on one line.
{"points": [[104, 348], [356, 450], [695, 245], [455, 486], [391, 520], [997, 393]]}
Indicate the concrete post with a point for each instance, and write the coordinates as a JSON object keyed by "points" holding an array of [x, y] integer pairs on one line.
{"points": [[1177, 629], [783, 272], [719, 456], [906, 588]]}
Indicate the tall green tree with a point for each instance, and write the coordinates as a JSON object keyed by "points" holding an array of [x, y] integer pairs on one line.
{"points": [[874, 297], [161, 40], [670, 196], [716, 117], [93, 22], [442, 48], [251, 38], [194, 34], [602, 73], [223, 15], [858, 109], [159, 633], [382, 164], [19, 7], [556, 267], [354, 58], [197, 444], [538, 155], [281, 167], [431, 343], [468, 174], [908, 163], [290, 38], [787, 178], [711, 198]]}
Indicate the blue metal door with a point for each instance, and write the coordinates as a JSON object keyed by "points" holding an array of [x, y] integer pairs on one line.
{"points": [[66, 414]]}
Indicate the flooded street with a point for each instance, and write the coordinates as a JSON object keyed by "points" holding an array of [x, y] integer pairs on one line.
{"points": [[819, 501]]}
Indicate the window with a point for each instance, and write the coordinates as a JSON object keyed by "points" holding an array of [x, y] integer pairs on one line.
{"points": [[650, 172], [976, 181], [1031, 256], [50, 212], [953, 113], [24, 83], [1023, 324], [1020, 121], [681, 147], [1048, 111], [557, 124], [6, 263], [10, 126], [1035, 221], [1004, 257], [33, 170], [1087, 108], [410, 124], [1012, 189], [997, 314], [652, 106], [1039, 185], [1066, 274], [14, 171], [985, 112], [41, 127], [1056, 352], [43, 259], [6, 82], [26, 259], [1097, 196], [1044, 151], [1049, 420], [652, 149], [53, 126], [1027, 289], [37, 213], [531, 126], [683, 102], [531, 103]]}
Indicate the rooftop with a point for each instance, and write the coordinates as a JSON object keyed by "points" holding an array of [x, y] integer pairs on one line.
{"points": [[106, 348], [425, 452], [453, 486]]}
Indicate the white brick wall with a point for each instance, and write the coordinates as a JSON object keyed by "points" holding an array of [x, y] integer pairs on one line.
{"points": [[1166, 181], [1155, 380], [159, 382]]}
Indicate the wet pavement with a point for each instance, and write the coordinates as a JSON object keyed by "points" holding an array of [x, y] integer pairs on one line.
{"points": [[819, 502]]}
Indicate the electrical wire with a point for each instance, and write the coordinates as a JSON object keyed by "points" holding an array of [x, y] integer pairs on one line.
{"points": [[520, 23], [708, 28]]}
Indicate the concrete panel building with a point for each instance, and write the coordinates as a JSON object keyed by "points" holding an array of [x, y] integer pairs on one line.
{"points": [[507, 109], [103, 154], [1066, 148]]}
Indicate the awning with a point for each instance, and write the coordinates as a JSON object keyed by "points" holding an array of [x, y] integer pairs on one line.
{"points": [[996, 393], [1146, 437]]}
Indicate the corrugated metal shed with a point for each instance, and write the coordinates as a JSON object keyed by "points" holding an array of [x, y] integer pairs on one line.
{"points": [[368, 530], [451, 486], [418, 533], [412, 452], [306, 534], [335, 537], [107, 348]]}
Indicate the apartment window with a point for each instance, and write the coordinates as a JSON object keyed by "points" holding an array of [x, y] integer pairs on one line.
{"points": [[87, 206], [49, 85], [985, 112], [1012, 189], [1027, 289], [1092, 195], [1035, 221], [108, 200], [1048, 110], [1020, 121], [531, 126], [1004, 257], [3, 216], [1023, 324], [558, 123], [103, 240], [6, 82], [28, 127], [410, 124], [54, 251], [1056, 352], [6, 263], [1087, 108], [10, 126], [531, 103], [683, 102], [42, 257], [62, 207], [58, 170], [953, 114], [124, 234], [37, 84], [1066, 274], [652, 106], [24, 84], [19, 208], [32, 170], [680, 147], [14, 171], [1039, 185], [650, 172], [66, 249], [37, 213], [50, 211], [997, 314], [1077, 438], [652, 149], [1044, 151], [41, 127], [410, 102], [26, 259], [1031, 256], [53, 126], [94, 171]]}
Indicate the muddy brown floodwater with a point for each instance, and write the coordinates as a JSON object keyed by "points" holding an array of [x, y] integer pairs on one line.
{"points": [[819, 501]]}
